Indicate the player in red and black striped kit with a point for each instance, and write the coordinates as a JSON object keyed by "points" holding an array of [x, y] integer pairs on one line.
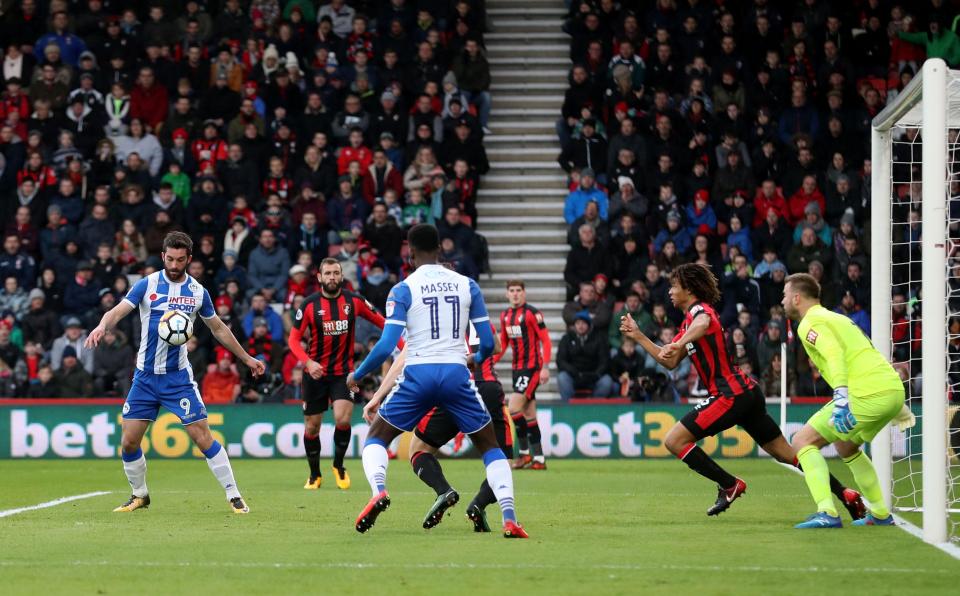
{"points": [[523, 330], [437, 428], [328, 318], [734, 396]]}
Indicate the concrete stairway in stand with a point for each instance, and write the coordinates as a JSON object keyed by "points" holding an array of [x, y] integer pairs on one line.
{"points": [[520, 202]]}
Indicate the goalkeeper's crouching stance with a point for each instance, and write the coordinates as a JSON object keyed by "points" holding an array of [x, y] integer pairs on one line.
{"points": [[868, 394]]}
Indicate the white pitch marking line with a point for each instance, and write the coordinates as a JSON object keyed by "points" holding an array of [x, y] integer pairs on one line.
{"points": [[484, 566], [948, 547], [53, 503]]}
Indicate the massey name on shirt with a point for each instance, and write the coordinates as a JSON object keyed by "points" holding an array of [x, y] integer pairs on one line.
{"points": [[440, 286]]}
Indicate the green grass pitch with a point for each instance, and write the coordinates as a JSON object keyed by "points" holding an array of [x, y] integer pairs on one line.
{"points": [[601, 527]]}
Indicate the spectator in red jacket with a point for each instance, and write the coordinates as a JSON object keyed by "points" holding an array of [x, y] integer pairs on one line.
{"points": [[211, 148], [379, 177], [807, 193], [354, 151], [768, 195], [221, 385], [148, 100], [14, 100]]}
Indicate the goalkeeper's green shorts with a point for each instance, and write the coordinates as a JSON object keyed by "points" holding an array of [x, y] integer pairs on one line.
{"points": [[872, 414]]}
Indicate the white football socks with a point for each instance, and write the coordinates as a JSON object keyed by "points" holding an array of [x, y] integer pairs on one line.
{"points": [[500, 480], [375, 461], [136, 471], [219, 464]]}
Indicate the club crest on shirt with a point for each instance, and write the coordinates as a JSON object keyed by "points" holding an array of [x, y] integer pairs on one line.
{"points": [[346, 309], [812, 337], [299, 314]]}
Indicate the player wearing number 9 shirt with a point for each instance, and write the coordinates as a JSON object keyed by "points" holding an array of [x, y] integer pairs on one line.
{"points": [[434, 305], [163, 376]]}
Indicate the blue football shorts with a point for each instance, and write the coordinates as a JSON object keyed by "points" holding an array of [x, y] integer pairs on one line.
{"points": [[422, 387], [176, 391]]}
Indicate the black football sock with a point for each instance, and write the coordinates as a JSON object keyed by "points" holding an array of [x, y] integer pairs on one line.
{"points": [[484, 496], [533, 432], [311, 444], [341, 442], [520, 425], [701, 463], [836, 487], [428, 469]]}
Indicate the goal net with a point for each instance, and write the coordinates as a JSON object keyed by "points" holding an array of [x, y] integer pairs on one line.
{"points": [[915, 294]]}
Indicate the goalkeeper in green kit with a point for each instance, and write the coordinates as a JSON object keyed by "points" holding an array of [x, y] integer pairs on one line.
{"points": [[867, 394]]}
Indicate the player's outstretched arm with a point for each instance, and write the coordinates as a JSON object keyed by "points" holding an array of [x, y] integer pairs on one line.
{"points": [[389, 379], [365, 310], [487, 342], [380, 352], [226, 338], [480, 319], [109, 320], [629, 328], [674, 352]]}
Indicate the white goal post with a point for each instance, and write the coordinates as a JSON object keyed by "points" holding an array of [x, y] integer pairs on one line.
{"points": [[930, 103]]}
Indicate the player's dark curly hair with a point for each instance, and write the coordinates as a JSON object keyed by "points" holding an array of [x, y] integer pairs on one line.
{"points": [[698, 280]]}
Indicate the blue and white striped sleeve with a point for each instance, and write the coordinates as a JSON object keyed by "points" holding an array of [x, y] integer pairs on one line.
{"points": [[206, 310], [135, 296], [478, 308], [398, 303]]}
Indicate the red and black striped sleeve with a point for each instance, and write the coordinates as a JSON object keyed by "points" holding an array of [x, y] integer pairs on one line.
{"points": [[302, 321], [304, 317]]}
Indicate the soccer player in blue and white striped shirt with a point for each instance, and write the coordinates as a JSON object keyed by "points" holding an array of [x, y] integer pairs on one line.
{"points": [[163, 376]]}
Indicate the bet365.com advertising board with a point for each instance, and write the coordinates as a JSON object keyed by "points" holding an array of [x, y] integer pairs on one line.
{"points": [[276, 431]]}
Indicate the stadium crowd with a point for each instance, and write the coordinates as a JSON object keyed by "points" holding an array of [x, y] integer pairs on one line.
{"points": [[276, 133], [736, 135]]}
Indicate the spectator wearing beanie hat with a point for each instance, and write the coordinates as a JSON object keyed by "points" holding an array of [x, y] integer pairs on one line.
{"points": [[231, 269], [299, 283], [227, 311], [674, 232], [72, 379], [812, 218], [701, 218]]}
